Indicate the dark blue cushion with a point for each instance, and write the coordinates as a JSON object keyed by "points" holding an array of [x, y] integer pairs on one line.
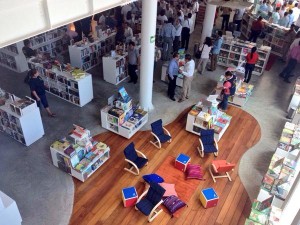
{"points": [[210, 148], [206, 132], [130, 152], [145, 206], [153, 178], [140, 162], [157, 127], [207, 140], [164, 138]]}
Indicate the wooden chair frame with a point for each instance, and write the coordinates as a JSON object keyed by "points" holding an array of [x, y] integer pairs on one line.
{"points": [[157, 142], [154, 213], [201, 148], [214, 174], [134, 169]]}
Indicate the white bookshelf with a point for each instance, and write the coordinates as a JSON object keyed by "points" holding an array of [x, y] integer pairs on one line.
{"points": [[115, 69], [64, 85], [86, 156], [9, 212], [52, 42], [88, 55], [275, 34], [22, 124], [233, 54]]}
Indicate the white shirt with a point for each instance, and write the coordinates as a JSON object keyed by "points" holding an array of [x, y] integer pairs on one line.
{"points": [[298, 22], [178, 29], [281, 13], [102, 19], [128, 32], [187, 23], [296, 12], [163, 19], [205, 52], [189, 69], [196, 7]]}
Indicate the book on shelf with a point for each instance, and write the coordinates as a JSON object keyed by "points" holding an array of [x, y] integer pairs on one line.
{"points": [[258, 216], [61, 145], [251, 222]]}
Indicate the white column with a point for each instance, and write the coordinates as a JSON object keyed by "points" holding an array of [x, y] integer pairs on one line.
{"points": [[149, 8], [208, 22]]}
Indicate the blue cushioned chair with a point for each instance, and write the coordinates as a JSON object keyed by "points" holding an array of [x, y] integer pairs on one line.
{"points": [[160, 134], [208, 143], [136, 162], [150, 200]]}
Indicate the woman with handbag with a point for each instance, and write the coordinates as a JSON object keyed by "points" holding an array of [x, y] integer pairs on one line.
{"points": [[204, 51]]}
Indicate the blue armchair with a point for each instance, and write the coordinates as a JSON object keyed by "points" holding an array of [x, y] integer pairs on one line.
{"points": [[208, 143], [161, 134], [150, 200], [136, 162]]}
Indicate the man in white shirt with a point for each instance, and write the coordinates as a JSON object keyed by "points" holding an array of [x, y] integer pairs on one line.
{"points": [[178, 29], [185, 33], [196, 6], [128, 32], [188, 72], [296, 12]]}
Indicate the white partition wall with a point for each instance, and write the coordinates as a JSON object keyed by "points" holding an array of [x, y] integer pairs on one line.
{"points": [[24, 19]]}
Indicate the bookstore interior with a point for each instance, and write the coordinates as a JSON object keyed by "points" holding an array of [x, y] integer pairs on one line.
{"points": [[64, 59]]}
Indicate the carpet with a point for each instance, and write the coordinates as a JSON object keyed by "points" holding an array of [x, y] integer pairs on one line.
{"points": [[184, 188], [271, 61]]}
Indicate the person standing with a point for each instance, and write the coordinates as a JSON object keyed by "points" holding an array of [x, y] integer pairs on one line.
{"points": [[284, 21], [205, 50], [238, 16], [288, 38], [157, 57], [27, 50], [256, 29], [168, 36], [228, 89], [185, 33], [176, 42], [291, 17], [172, 74], [293, 59], [188, 72], [226, 15], [133, 62], [275, 16], [216, 50], [128, 33], [282, 11], [38, 92], [251, 60]]}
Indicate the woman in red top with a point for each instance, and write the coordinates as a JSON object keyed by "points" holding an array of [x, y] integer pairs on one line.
{"points": [[251, 60]]}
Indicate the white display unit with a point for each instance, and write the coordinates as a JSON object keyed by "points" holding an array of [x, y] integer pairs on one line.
{"points": [[233, 54], [115, 69], [9, 212], [195, 122], [88, 55], [23, 124], [78, 154], [118, 128], [164, 77], [64, 85], [275, 34], [52, 42]]}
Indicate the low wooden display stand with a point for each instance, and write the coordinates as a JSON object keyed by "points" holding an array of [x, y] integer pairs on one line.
{"points": [[78, 155]]}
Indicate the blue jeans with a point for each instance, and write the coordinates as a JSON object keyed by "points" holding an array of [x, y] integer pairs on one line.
{"points": [[224, 103], [287, 71], [248, 71]]}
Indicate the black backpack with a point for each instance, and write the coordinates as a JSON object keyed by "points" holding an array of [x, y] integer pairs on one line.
{"points": [[233, 85]]}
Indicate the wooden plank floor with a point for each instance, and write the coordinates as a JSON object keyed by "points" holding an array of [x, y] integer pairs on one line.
{"points": [[98, 200]]}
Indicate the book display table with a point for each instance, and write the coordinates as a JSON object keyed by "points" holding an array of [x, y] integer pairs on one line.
{"points": [[86, 55], [70, 84], [9, 212], [20, 118], [205, 115], [280, 178], [275, 34], [121, 117], [243, 90], [234, 52], [129, 196], [78, 154]]}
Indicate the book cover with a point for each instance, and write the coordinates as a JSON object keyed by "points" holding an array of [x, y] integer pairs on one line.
{"points": [[251, 222], [258, 216]]}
